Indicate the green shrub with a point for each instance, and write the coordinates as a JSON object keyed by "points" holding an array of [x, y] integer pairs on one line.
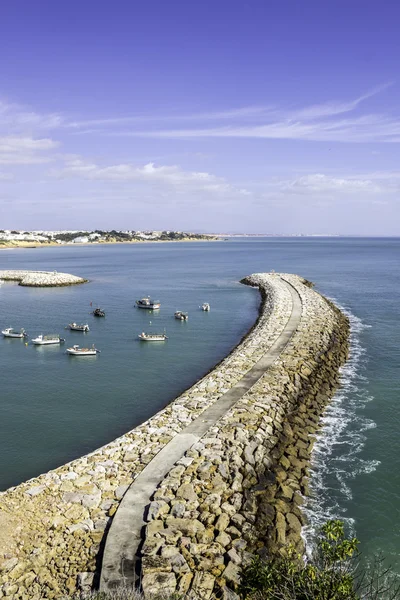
{"points": [[334, 573]]}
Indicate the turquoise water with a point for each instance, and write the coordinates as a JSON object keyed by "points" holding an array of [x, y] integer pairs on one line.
{"points": [[54, 407]]}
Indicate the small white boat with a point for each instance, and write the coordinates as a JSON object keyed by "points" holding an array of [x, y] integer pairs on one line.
{"points": [[181, 316], [152, 337], [45, 340], [77, 351], [13, 333], [148, 303], [205, 307], [76, 327]]}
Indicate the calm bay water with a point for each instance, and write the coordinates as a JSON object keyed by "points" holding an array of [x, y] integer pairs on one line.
{"points": [[54, 408]]}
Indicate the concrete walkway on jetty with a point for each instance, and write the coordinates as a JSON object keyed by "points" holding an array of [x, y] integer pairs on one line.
{"points": [[125, 535]]}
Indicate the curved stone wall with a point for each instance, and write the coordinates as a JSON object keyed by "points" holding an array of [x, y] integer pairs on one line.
{"points": [[41, 278], [52, 527], [238, 492]]}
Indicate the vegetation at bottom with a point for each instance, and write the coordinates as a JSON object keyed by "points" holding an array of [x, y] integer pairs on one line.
{"points": [[333, 573]]}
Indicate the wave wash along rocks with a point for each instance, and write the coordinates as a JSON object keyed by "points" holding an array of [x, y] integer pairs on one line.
{"points": [[41, 278], [238, 487]]}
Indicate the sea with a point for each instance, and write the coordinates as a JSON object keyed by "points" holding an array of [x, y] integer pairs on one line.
{"points": [[55, 407]]}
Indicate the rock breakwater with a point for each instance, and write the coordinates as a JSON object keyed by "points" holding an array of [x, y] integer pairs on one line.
{"points": [[236, 491], [41, 278]]}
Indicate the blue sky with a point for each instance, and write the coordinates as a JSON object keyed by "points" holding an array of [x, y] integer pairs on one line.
{"points": [[222, 116]]}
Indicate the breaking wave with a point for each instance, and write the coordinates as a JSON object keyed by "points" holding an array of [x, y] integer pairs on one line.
{"points": [[335, 460]]}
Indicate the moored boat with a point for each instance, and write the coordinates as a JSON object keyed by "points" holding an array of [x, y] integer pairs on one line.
{"points": [[181, 316], [13, 333], [98, 312], [76, 327], [205, 307], [45, 340], [77, 351], [148, 303], [152, 337]]}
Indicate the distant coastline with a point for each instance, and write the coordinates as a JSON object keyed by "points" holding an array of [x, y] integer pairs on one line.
{"points": [[12, 240], [42, 239]]}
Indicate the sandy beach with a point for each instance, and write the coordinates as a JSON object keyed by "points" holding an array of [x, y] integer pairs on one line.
{"points": [[20, 244]]}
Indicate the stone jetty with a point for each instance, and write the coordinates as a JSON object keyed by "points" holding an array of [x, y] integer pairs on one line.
{"points": [[41, 278], [235, 491]]}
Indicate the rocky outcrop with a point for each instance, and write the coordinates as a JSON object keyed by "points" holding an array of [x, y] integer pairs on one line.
{"points": [[235, 492], [41, 278]]}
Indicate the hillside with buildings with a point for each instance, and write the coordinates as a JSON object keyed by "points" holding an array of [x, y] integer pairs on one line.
{"points": [[14, 238]]}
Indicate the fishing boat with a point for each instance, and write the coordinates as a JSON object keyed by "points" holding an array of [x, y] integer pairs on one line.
{"points": [[98, 312], [205, 307], [45, 340], [13, 333], [181, 316], [77, 351], [76, 327], [152, 337], [148, 303]]}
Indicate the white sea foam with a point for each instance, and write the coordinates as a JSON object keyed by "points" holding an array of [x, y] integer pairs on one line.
{"points": [[335, 459]]}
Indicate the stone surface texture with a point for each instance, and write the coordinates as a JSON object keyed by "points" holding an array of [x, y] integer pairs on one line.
{"points": [[41, 278], [235, 493]]}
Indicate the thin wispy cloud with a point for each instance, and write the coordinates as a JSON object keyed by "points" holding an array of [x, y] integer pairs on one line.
{"points": [[16, 150], [17, 117], [362, 187], [332, 121], [313, 123], [331, 109], [171, 176], [368, 128], [247, 112], [319, 183], [235, 115]]}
